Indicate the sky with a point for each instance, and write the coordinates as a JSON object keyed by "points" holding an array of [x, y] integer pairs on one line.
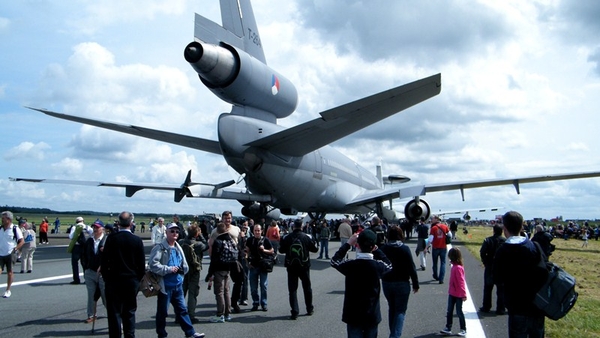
{"points": [[520, 96]]}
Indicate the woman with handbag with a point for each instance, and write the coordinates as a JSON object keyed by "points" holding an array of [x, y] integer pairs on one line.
{"points": [[259, 248]]}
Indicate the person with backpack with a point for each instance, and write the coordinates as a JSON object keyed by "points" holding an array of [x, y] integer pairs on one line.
{"points": [[167, 260], [78, 235], [11, 241], [193, 247], [297, 247], [224, 258], [258, 247], [487, 252], [516, 266]]}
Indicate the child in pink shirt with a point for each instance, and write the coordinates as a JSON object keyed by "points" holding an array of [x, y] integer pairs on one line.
{"points": [[457, 293]]}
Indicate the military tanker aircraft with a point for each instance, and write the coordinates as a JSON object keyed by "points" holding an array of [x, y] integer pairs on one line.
{"points": [[286, 170]]}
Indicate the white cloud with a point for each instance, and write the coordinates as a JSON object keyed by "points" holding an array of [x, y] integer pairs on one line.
{"points": [[27, 150]]}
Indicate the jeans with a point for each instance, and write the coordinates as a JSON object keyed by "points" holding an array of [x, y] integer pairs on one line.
{"points": [[455, 302], [361, 331], [255, 275], [488, 286], [324, 248], [441, 255], [525, 326], [397, 294], [175, 297], [93, 281], [304, 275]]}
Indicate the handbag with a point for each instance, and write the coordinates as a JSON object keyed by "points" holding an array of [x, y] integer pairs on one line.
{"points": [[149, 284], [448, 237], [267, 262]]}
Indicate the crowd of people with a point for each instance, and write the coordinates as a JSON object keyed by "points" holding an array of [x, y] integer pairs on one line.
{"points": [[113, 264]]}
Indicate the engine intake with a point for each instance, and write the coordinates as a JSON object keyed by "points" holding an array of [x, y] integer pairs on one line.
{"points": [[415, 209]]}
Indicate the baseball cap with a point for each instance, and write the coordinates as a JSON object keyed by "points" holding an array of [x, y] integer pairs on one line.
{"points": [[172, 225], [98, 223], [367, 238], [78, 219]]}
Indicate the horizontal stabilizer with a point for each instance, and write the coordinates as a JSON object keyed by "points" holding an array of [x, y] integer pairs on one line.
{"points": [[172, 138], [346, 119]]}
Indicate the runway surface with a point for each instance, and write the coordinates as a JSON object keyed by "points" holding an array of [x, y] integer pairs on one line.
{"points": [[44, 304]]}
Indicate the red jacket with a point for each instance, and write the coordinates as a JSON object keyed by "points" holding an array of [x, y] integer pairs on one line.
{"points": [[44, 226]]}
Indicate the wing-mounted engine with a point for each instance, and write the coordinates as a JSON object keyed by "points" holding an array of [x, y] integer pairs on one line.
{"points": [[240, 79], [416, 208], [258, 211]]}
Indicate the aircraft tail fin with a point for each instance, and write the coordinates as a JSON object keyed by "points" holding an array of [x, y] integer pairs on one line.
{"points": [[239, 28]]}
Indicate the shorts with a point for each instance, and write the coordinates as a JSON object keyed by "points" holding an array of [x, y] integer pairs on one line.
{"points": [[6, 261]]}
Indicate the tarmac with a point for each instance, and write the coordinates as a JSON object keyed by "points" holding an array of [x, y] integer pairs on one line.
{"points": [[44, 304]]}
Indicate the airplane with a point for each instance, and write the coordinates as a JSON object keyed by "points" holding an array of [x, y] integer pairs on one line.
{"points": [[286, 170]]}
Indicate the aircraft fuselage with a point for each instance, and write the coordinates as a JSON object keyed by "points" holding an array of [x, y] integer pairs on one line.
{"points": [[320, 180]]}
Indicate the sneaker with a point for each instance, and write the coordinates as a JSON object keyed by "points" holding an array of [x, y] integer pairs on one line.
{"points": [[264, 308], [244, 303], [483, 310], [235, 308], [462, 333], [217, 319], [446, 331], [228, 318], [6, 294], [196, 335], [90, 320], [294, 317], [254, 308]]}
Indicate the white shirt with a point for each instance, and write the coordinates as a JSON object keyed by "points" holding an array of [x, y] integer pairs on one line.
{"points": [[7, 240]]}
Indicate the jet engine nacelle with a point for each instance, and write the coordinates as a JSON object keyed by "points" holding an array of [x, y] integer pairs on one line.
{"points": [[256, 211], [415, 209], [240, 79]]}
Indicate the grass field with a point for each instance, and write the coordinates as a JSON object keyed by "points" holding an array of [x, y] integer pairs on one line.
{"points": [[580, 262]]}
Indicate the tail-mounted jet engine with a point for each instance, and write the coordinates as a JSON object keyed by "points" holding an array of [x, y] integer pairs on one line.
{"points": [[415, 209], [240, 79]]}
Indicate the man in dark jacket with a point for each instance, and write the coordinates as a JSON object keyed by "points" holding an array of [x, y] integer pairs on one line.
{"points": [[487, 252], [91, 259], [123, 264], [297, 271], [516, 266], [361, 312]]}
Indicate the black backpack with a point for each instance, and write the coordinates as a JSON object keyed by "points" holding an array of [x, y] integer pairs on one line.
{"points": [[296, 256], [557, 296], [229, 251]]}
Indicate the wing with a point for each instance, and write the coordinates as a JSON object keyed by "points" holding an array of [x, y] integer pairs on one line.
{"points": [[349, 118], [412, 190], [182, 140]]}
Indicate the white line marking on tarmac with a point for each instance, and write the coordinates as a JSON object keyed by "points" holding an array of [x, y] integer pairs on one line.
{"points": [[39, 280]]}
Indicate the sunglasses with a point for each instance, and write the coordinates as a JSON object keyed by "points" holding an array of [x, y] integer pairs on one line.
{"points": [[174, 231]]}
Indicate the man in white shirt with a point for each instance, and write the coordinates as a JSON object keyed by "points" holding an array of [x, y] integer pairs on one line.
{"points": [[10, 242], [158, 231]]}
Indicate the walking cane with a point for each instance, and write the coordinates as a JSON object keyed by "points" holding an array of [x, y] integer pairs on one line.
{"points": [[95, 318]]}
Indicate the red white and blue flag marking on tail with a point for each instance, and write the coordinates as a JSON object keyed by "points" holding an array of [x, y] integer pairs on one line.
{"points": [[274, 85]]}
